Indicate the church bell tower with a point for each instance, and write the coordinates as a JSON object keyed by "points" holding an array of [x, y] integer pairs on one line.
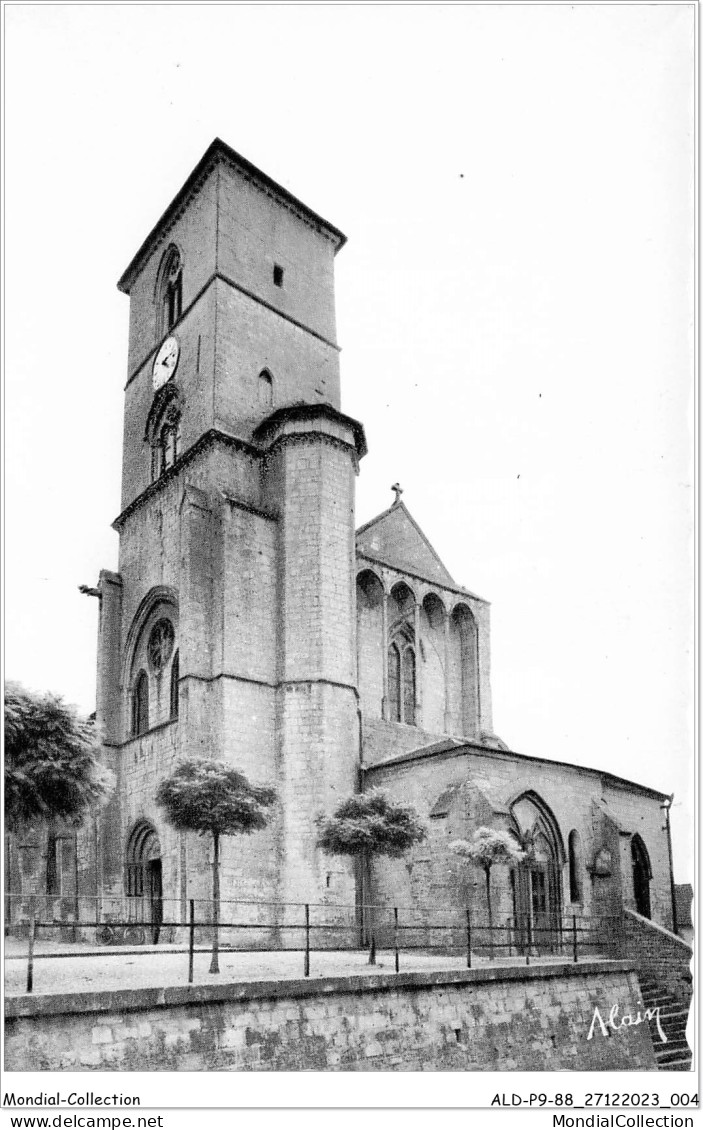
{"points": [[228, 631]]}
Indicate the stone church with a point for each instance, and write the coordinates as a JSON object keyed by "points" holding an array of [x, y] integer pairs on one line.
{"points": [[250, 620]]}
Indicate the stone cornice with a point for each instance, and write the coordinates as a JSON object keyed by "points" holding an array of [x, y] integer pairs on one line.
{"points": [[295, 413], [214, 435], [314, 680], [221, 153], [464, 748], [312, 436], [248, 508], [182, 996], [419, 577]]}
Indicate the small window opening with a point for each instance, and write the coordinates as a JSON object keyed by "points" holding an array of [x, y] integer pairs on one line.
{"points": [[172, 294], [277, 275], [169, 446], [265, 389], [140, 705], [174, 687]]}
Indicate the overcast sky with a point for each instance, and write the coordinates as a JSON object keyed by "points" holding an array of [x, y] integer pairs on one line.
{"points": [[515, 309]]}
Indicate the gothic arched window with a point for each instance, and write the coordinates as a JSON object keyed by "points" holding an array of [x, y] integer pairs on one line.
{"points": [[394, 683], [174, 687], [641, 876], [169, 290], [151, 663], [401, 681], [409, 686], [574, 866], [140, 705], [160, 646], [53, 865]]}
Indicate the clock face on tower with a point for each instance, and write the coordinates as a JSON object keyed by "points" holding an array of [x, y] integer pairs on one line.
{"points": [[165, 362]]}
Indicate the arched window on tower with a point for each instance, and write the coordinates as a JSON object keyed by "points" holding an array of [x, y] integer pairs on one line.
{"points": [[575, 888], [163, 430], [168, 445], [174, 687], [140, 705], [151, 664], [265, 389], [170, 290]]}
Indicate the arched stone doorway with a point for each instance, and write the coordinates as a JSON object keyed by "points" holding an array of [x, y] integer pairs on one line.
{"points": [[536, 882], [641, 875], [143, 876]]}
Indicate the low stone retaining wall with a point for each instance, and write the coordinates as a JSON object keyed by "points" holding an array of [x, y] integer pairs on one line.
{"points": [[497, 1019], [659, 954]]}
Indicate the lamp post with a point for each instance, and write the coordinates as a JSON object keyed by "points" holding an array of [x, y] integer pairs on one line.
{"points": [[667, 810]]}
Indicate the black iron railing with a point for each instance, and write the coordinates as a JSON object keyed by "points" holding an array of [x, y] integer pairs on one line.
{"points": [[108, 925]]}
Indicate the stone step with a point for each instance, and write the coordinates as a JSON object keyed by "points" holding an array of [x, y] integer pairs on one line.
{"points": [[670, 1047], [672, 1014], [666, 1008], [666, 1061], [668, 1022], [677, 1065], [672, 1030], [675, 1054], [675, 1037], [674, 1026], [673, 1019]]}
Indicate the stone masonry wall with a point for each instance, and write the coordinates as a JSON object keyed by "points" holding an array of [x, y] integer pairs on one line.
{"points": [[658, 954], [251, 338], [475, 1020], [254, 233], [195, 233], [427, 876]]}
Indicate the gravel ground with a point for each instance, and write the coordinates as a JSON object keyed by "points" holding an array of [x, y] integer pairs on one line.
{"points": [[80, 968]]}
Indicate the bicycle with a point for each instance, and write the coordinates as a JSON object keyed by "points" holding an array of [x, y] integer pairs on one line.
{"points": [[110, 934]]}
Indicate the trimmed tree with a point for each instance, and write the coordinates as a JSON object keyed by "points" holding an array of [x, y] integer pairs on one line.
{"points": [[486, 848], [212, 798], [367, 825], [52, 771]]}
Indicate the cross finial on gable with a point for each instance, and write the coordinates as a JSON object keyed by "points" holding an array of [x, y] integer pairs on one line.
{"points": [[398, 491]]}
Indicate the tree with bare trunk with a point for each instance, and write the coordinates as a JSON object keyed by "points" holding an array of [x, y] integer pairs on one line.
{"points": [[366, 825], [486, 848], [212, 798]]}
